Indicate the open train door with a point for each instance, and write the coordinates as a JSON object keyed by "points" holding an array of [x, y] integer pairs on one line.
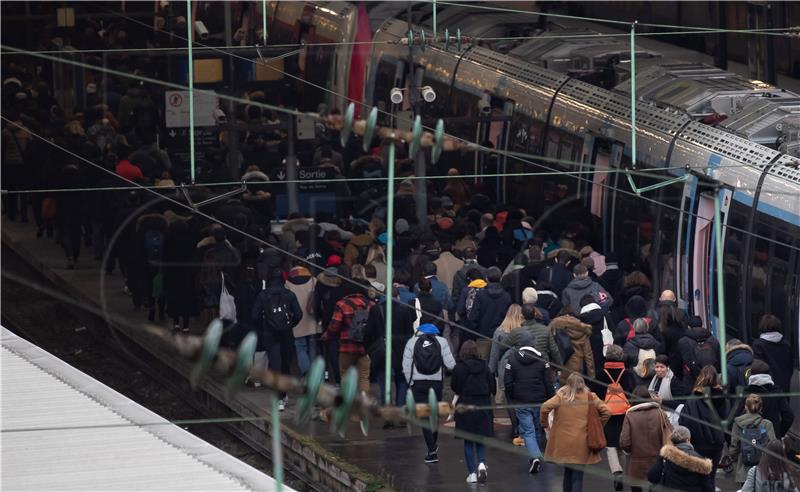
{"points": [[493, 130]]}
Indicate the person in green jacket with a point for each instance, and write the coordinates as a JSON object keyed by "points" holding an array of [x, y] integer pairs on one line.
{"points": [[750, 419]]}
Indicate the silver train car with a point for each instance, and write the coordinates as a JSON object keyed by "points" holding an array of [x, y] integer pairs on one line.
{"points": [[523, 108]]}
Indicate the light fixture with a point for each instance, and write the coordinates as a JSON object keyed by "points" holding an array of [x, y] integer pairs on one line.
{"points": [[396, 95], [428, 94], [485, 104]]}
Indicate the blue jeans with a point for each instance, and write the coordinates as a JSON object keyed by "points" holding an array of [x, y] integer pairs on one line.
{"points": [[470, 448], [529, 430], [306, 348], [400, 384]]}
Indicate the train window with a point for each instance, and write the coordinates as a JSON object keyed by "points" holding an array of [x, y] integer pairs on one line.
{"points": [[667, 234], [384, 82], [733, 268]]}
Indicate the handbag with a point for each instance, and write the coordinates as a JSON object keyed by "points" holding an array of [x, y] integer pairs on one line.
{"points": [[608, 337], [666, 428], [595, 437], [227, 304]]}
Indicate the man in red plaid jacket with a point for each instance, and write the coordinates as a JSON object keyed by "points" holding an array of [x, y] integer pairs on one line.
{"points": [[351, 353]]}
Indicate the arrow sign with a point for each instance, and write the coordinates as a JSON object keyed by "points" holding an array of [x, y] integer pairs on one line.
{"points": [[172, 133], [281, 175]]}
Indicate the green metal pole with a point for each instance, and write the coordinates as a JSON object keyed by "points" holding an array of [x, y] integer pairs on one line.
{"points": [[389, 273], [189, 32], [434, 18], [264, 20], [277, 451], [721, 332], [633, 95]]}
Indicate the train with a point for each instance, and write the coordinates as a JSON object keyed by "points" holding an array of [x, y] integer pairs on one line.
{"points": [[523, 108]]}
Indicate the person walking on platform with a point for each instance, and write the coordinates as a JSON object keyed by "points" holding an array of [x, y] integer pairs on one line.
{"points": [[771, 473], [349, 324], [474, 385], [773, 348], [642, 435], [775, 408], [618, 384], [679, 466], [301, 283], [567, 441], [750, 431], [425, 357], [526, 382]]}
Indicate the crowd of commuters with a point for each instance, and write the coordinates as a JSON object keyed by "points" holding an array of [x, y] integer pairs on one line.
{"points": [[527, 316]]}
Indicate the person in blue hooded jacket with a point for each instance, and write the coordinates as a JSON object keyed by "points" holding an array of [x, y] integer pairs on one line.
{"points": [[423, 366]]}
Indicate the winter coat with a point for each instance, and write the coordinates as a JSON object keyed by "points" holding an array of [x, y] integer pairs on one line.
{"points": [[579, 287], [642, 438], [327, 292], [514, 283], [611, 280], [680, 467], [358, 246], [430, 307], [628, 382], [775, 409], [375, 334], [755, 482], [499, 347], [667, 388], [474, 385], [566, 441], [739, 423], [625, 327], [438, 290], [525, 379], [642, 341], [543, 341], [582, 359], [739, 358], [179, 284], [446, 267], [779, 357], [593, 314], [247, 291], [408, 356], [260, 306], [696, 416], [557, 276], [686, 351], [301, 283], [489, 310], [466, 301], [549, 303], [460, 277]]}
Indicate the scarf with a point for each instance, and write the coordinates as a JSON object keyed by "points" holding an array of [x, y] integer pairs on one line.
{"points": [[760, 380], [664, 390]]}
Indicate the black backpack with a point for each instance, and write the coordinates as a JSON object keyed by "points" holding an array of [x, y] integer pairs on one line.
{"points": [[754, 438], [358, 323], [702, 355], [278, 315], [427, 358]]}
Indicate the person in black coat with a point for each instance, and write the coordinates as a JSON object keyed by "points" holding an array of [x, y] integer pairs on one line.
{"points": [[672, 324], [557, 275], [611, 279], [705, 424], [593, 314], [245, 297], [403, 317], [679, 466], [179, 282], [547, 300], [697, 349], [614, 370], [474, 385], [429, 305], [635, 308], [641, 341], [772, 347], [526, 381], [279, 344], [776, 409]]}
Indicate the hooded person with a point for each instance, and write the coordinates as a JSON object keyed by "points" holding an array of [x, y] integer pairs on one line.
{"points": [[526, 382], [679, 466], [460, 280], [425, 358], [572, 338], [466, 300], [488, 311], [739, 356], [776, 409], [582, 285], [642, 435], [699, 348], [302, 283], [547, 300], [641, 352], [773, 348], [592, 314]]}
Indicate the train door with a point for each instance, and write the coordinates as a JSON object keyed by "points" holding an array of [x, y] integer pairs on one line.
{"points": [[493, 130], [603, 156]]}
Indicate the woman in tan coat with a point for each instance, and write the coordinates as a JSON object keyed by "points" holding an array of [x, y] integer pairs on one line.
{"points": [[582, 358], [566, 440], [643, 432]]}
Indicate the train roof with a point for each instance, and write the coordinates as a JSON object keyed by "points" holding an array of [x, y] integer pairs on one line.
{"points": [[64, 430]]}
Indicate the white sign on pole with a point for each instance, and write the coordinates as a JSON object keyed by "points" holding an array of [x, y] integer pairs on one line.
{"points": [[176, 112]]}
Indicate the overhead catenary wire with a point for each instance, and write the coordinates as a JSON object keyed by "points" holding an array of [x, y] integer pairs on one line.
{"points": [[476, 147], [303, 260]]}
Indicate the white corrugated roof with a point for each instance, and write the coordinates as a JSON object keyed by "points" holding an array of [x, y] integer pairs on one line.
{"points": [[106, 452]]}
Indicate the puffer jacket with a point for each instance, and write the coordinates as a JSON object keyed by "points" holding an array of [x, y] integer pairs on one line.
{"points": [[489, 309], [582, 359], [680, 467], [739, 357], [580, 287], [525, 377]]}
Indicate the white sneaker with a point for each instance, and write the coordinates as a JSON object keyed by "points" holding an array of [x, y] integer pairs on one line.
{"points": [[483, 472], [281, 405], [472, 478], [536, 466]]}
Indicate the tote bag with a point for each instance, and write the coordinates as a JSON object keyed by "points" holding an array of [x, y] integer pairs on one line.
{"points": [[227, 305]]}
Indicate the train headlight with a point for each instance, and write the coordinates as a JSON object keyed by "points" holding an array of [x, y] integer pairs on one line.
{"points": [[428, 94], [396, 95]]}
